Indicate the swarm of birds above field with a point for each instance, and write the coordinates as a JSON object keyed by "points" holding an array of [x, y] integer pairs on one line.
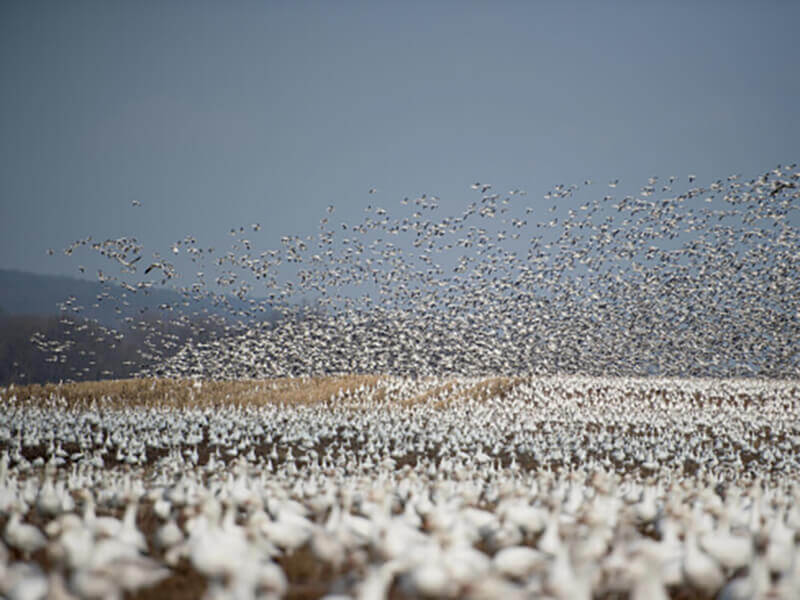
{"points": [[561, 397], [674, 280]]}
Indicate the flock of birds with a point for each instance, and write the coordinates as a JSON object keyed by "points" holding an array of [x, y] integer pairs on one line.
{"points": [[672, 279], [586, 395], [558, 487]]}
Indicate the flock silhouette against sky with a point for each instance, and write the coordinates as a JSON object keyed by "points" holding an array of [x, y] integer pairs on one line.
{"points": [[675, 277]]}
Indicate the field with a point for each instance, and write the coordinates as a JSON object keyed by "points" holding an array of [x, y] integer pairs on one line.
{"points": [[351, 302], [373, 486]]}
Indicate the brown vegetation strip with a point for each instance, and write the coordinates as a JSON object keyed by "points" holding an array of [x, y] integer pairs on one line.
{"points": [[182, 393]]}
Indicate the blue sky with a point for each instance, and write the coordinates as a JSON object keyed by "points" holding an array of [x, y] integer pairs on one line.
{"points": [[216, 115]]}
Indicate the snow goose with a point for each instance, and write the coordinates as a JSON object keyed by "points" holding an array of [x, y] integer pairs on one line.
{"points": [[24, 581], [730, 550], [646, 571], [519, 562], [24, 537], [700, 570]]}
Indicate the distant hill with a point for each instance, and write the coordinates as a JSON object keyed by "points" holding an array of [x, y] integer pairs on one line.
{"points": [[34, 294], [102, 336], [25, 293], [96, 325], [21, 361]]}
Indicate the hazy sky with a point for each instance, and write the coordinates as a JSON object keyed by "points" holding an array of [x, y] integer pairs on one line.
{"points": [[215, 115]]}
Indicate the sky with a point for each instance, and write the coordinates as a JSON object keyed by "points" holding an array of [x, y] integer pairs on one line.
{"points": [[214, 115]]}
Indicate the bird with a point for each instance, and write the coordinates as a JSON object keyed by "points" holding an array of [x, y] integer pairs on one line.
{"points": [[781, 185], [24, 537], [151, 266]]}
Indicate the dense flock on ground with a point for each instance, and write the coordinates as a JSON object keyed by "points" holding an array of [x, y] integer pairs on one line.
{"points": [[535, 487]]}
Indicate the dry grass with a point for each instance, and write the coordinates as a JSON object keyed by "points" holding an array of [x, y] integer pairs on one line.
{"points": [[186, 393], [441, 393], [450, 392], [493, 387]]}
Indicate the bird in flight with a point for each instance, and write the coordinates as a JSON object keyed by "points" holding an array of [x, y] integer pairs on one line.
{"points": [[155, 265], [780, 186]]}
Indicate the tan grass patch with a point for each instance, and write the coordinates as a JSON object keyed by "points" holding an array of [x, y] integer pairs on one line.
{"points": [[182, 393], [453, 391]]}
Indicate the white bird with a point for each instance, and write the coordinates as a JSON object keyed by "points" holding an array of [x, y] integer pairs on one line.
{"points": [[701, 571], [519, 561], [24, 537]]}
